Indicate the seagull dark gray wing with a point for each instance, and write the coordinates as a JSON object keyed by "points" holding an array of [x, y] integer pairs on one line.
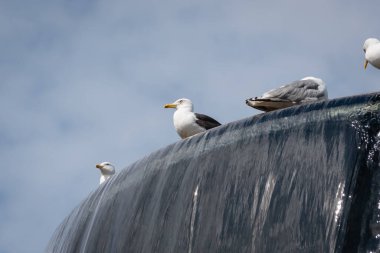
{"points": [[297, 91], [269, 104], [206, 121]]}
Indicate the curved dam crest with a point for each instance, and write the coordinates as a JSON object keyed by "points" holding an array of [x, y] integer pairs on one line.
{"points": [[302, 179]]}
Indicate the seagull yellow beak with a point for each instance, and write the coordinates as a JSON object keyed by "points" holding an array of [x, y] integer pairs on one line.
{"points": [[170, 106], [365, 64], [99, 166]]}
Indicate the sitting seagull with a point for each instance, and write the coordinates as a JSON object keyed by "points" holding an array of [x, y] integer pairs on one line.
{"points": [[308, 89], [188, 123], [371, 49], [107, 170]]}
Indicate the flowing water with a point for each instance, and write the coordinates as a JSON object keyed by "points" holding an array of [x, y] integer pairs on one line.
{"points": [[303, 179]]}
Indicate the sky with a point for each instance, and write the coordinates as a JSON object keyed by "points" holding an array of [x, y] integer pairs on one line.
{"points": [[85, 81]]}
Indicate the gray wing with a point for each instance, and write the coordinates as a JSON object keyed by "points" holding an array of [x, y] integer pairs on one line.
{"points": [[297, 91], [268, 105], [206, 121]]}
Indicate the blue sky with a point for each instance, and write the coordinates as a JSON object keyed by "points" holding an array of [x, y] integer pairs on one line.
{"points": [[83, 82]]}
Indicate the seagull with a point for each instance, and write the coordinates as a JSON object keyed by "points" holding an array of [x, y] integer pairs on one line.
{"points": [[371, 49], [186, 122], [106, 169], [308, 89]]}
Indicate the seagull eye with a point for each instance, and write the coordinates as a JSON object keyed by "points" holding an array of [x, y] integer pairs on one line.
{"points": [[180, 101], [364, 50]]}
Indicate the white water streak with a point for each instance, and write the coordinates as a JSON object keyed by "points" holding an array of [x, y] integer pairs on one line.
{"points": [[192, 221], [94, 216]]}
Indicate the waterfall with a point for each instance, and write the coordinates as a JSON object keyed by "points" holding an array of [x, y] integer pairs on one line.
{"points": [[302, 179]]}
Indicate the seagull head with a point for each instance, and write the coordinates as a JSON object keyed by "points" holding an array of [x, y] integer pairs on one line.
{"points": [[315, 79], [106, 168], [181, 104], [367, 43]]}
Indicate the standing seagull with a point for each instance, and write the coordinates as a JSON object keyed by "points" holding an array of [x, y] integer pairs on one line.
{"points": [[106, 169], [371, 49], [188, 123], [308, 89]]}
